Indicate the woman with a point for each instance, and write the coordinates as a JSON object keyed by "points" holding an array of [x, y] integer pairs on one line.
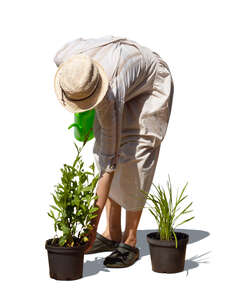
{"points": [[131, 89]]}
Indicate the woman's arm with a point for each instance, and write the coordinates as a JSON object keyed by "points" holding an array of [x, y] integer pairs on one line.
{"points": [[105, 114], [107, 134], [103, 188]]}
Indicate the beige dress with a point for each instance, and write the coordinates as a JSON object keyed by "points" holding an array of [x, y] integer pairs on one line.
{"points": [[131, 122]]}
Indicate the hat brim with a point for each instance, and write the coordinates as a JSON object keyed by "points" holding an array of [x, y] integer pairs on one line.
{"points": [[91, 102]]}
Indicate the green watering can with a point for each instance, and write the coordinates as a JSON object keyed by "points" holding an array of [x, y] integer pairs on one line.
{"points": [[83, 125]]}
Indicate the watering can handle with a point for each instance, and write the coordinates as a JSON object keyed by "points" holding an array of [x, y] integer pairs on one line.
{"points": [[74, 125]]}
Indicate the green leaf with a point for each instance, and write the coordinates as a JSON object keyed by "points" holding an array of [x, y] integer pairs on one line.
{"points": [[54, 207], [62, 240], [93, 209], [55, 200], [153, 213], [92, 167], [92, 217], [185, 221], [176, 242], [87, 189], [88, 173], [65, 229], [182, 212], [50, 215]]}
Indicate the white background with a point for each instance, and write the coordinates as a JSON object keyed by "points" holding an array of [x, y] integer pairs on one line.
{"points": [[196, 39]]}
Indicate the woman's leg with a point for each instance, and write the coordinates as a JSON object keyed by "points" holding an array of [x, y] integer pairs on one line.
{"points": [[113, 228], [132, 221]]}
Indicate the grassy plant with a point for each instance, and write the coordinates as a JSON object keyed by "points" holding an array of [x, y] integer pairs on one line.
{"points": [[74, 199], [165, 210]]}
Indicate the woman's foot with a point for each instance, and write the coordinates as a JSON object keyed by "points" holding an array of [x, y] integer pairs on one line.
{"points": [[115, 235], [123, 256], [131, 241], [102, 244]]}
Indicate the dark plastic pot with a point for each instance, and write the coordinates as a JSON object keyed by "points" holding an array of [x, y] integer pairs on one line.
{"points": [[165, 257], [65, 263]]}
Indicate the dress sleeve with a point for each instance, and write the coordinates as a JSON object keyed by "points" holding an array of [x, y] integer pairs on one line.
{"points": [[106, 116]]}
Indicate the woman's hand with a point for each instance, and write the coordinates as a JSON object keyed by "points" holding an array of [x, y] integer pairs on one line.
{"points": [[92, 233], [91, 238]]}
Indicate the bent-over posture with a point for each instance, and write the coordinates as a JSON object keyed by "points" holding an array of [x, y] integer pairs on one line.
{"points": [[131, 89]]}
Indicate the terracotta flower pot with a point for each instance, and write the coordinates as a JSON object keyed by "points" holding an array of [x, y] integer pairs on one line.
{"points": [[65, 263], [165, 257]]}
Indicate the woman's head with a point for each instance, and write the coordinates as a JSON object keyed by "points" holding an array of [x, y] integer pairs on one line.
{"points": [[80, 83]]}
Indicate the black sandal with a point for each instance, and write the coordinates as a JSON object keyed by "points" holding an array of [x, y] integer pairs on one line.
{"points": [[102, 244], [124, 256]]}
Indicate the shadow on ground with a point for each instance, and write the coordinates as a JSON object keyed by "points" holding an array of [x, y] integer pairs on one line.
{"points": [[194, 261], [94, 266]]}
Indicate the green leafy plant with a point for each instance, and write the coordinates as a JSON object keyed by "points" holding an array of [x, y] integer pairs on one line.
{"points": [[165, 211], [74, 199]]}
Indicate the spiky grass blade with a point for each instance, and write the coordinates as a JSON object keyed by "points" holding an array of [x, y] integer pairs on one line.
{"points": [[185, 221], [164, 210]]}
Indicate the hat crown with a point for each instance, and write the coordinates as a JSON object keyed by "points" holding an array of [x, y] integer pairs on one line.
{"points": [[79, 77]]}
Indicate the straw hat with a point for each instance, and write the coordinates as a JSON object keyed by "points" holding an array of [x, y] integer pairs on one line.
{"points": [[80, 83]]}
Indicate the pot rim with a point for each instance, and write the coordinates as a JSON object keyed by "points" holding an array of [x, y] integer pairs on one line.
{"points": [[182, 241], [62, 249]]}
